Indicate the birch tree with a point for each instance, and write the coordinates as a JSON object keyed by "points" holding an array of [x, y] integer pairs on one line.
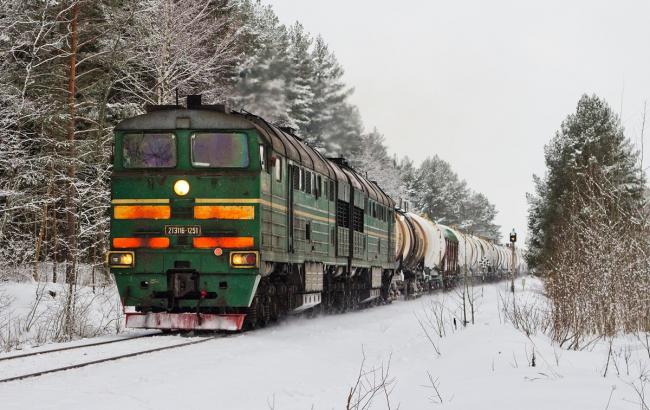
{"points": [[173, 46], [33, 145]]}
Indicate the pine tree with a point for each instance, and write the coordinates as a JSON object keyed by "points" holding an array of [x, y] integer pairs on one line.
{"points": [[478, 215], [265, 65], [373, 161], [590, 139], [300, 79], [589, 228], [329, 92], [441, 191], [408, 177], [294, 81]]}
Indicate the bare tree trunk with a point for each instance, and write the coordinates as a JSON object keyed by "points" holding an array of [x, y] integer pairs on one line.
{"points": [[71, 216], [101, 237], [55, 250], [41, 233], [71, 213]]}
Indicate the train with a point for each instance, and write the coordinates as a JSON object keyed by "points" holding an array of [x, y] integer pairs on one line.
{"points": [[221, 220], [431, 255]]}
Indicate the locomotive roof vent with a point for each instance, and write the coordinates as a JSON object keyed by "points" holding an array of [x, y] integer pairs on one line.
{"points": [[287, 129], [194, 103], [340, 161], [154, 108], [290, 130]]}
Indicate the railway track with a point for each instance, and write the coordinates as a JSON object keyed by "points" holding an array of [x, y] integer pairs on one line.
{"points": [[102, 360], [62, 349]]}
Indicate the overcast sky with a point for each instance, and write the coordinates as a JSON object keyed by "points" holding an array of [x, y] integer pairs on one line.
{"points": [[484, 83]]}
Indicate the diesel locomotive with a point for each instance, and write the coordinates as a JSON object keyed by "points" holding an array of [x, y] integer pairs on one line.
{"points": [[221, 220]]}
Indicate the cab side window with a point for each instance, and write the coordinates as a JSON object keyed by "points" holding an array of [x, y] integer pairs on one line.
{"points": [[308, 182], [319, 187], [263, 162], [296, 177], [277, 169], [302, 180]]}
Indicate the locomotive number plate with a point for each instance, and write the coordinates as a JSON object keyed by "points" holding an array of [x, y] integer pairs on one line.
{"points": [[192, 230]]}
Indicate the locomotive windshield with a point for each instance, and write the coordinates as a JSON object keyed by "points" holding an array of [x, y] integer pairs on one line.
{"points": [[149, 150], [220, 150]]}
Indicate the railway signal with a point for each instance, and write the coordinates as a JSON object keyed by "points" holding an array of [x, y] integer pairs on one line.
{"points": [[513, 239]]}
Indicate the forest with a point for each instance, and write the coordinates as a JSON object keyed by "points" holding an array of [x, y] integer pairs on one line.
{"points": [[72, 70]]}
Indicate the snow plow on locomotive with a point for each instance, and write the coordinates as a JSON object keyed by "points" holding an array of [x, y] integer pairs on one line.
{"points": [[221, 221]]}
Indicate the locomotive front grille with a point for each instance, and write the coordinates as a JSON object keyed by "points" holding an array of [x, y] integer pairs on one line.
{"points": [[182, 212]]}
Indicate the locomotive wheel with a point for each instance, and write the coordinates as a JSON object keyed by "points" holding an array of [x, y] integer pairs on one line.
{"points": [[274, 310], [345, 303], [265, 314], [252, 317]]}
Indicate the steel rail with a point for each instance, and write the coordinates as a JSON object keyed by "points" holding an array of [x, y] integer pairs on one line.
{"points": [[109, 359], [124, 339]]}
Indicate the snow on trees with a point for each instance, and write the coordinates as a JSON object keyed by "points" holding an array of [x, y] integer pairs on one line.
{"points": [[296, 81], [63, 86], [592, 137], [589, 227], [263, 71], [437, 191], [372, 159], [293, 80], [171, 46]]}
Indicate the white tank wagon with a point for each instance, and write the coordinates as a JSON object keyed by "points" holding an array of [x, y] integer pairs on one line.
{"points": [[435, 245], [410, 248], [425, 251], [403, 238], [498, 257], [477, 254], [430, 255], [505, 258]]}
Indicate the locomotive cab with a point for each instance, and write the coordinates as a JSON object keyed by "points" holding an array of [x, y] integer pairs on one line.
{"points": [[185, 218]]}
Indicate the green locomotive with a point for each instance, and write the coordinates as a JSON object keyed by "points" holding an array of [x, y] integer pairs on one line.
{"points": [[222, 220]]}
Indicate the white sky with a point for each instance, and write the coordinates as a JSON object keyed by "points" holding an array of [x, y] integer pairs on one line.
{"points": [[484, 83]]}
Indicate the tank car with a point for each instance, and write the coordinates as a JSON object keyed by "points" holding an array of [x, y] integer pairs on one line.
{"points": [[428, 254]]}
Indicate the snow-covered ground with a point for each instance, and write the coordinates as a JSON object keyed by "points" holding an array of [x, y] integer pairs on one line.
{"points": [[313, 363], [31, 313]]}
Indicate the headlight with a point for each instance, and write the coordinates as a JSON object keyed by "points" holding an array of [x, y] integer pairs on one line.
{"points": [[181, 187], [121, 259], [244, 259]]}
